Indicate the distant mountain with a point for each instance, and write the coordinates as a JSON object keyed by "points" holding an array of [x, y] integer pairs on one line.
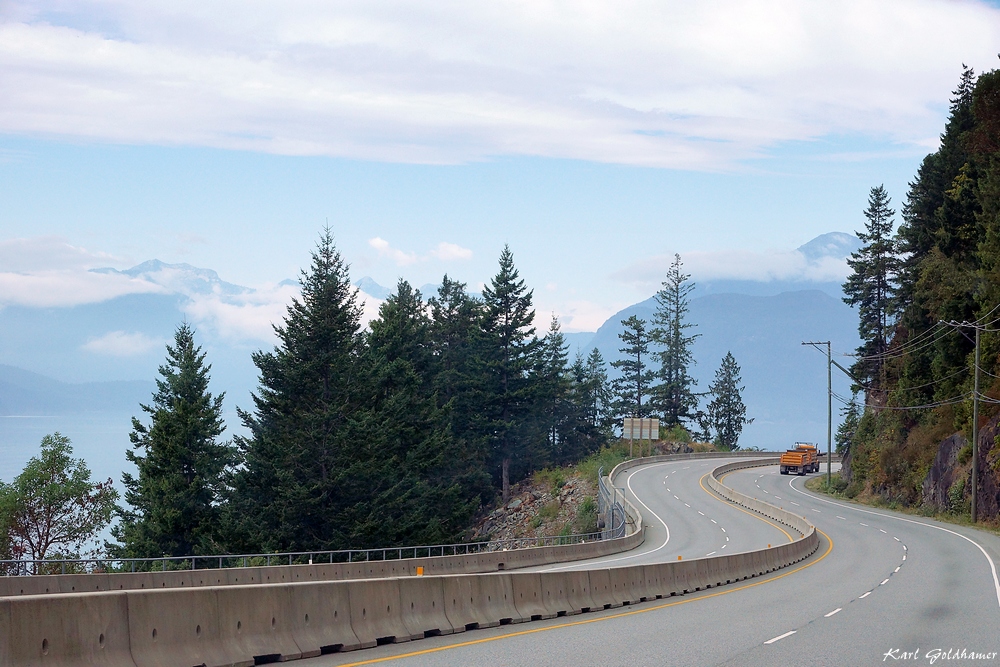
{"points": [[785, 382], [181, 278], [23, 393], [834, 246]]}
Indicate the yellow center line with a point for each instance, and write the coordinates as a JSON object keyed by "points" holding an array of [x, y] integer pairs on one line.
{"points": [[595, 620], [734, 506]]}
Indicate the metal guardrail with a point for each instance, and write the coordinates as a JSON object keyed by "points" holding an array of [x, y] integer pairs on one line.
{"points": [[225, 561], [610, 511]]}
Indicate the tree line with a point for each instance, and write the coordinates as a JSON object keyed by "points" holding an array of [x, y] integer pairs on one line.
{"points": [[921, 292], [393, 433]]}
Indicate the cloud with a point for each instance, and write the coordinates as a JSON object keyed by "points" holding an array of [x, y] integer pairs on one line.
{"points": [[48, 253], [670, 84], [122, 344], [447, 252], [251, 316], [384, 249], [768, 266]]}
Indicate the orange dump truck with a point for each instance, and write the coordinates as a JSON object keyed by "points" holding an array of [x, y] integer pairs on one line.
{"points": [[801, 460]]}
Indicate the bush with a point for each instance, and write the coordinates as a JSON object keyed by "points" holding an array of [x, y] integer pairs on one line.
{"points": [[586, 517], [965, 454], [854, 488]]}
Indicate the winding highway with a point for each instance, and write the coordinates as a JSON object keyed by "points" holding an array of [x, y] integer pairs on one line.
{"points": [[883, 587]]}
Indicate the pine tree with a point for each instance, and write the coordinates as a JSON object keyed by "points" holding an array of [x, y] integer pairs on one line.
{"points": [[310, 458], [851, 418], [509, 357], [632, 387], [871, 285], [181, 464], [430, 486], [598, 392], [726, 411], [556, 393], [674, 393]]}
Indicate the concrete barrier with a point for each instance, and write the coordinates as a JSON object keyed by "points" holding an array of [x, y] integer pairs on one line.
{"points": [[178, 627], [423, 607], [529, 598], [258, 622], [66, 630], [321, 615], [376, 614], [470, 605], [602, 591]]}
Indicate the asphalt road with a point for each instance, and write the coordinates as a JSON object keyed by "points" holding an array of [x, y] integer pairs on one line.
{"points": [[882, 588]]}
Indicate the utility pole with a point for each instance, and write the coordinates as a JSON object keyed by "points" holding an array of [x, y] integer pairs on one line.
{"points": [[829, 404], [975, 434]]}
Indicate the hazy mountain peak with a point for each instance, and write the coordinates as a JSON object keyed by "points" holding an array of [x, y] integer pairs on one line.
{"points": [[372, 288], [838, 245], [182, 278]]}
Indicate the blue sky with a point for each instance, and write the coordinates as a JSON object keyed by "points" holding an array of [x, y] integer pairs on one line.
{"points": [[592, 137]]}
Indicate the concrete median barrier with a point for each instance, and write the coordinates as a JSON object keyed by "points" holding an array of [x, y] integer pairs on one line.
{"points": [[529, 596], [321, 618], [423, 607], [376, 615], [602, 591], [178, 627], [469, 604], [66, 630], [258, 621]]}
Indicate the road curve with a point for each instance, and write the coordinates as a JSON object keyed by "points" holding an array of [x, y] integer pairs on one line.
{"points": [[883, 587]]}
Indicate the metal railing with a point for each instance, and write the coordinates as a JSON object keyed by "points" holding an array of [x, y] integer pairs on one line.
{"points": [[224, 561], [609, 510]]}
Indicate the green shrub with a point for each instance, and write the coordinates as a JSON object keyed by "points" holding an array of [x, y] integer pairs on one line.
{"points": [[965, 454], [586, 517], [549, 510], [854, 488]]}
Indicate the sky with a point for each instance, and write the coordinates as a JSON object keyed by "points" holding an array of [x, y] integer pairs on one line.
{"points": [[597, 139]]}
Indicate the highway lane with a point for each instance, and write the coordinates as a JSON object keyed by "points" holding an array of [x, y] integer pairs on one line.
{"points": [[683, 518], [865, 593]]}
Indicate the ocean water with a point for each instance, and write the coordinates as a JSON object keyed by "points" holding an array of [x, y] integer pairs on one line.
{"points": [[99, 438]]}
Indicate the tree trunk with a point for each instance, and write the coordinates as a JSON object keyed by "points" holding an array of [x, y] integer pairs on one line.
{"points": [[506, 480]]}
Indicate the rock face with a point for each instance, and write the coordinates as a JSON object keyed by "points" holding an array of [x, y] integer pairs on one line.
{"points": [[536, 510], [947, 470], [944, 472]]}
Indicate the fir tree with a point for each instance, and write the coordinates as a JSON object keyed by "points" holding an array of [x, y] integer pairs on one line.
{"points": [[430, 486], [175, 496], [726, 411], [871, 285], [310, 457], [851, 417], [597, 392], [674, 394], [509, 358], [632, 387]]}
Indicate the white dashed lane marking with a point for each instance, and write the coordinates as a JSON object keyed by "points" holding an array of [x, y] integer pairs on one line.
{"points": [[780, 637], [832, 612]]}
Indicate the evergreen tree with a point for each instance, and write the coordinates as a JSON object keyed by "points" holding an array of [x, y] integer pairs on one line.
{"points": [[726, 411], [556, 391], [871, 285], [851, 417], [431, 485], [174, 500], [632, 387], [310, 458], [597, 392], [674, 394], [509, 358]]}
